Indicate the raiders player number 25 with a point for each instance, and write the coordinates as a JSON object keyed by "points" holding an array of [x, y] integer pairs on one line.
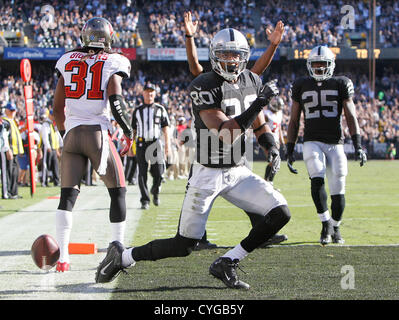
{"points": [[323, 98]]}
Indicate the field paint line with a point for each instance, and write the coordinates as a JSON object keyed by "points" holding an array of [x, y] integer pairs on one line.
{"points": [[290, 205], [20, 279], [334, 245]]}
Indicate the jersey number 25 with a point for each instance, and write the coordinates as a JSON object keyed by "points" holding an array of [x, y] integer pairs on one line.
{"points": [[328, 108]]}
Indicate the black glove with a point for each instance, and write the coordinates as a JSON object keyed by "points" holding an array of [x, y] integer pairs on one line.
{"points": [[268, 91], [273, 157], [291, 157], [361, 155]]}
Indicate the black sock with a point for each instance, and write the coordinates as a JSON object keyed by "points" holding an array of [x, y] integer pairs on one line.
{"points": [[319, 194], [261, 232], [337, 206]]}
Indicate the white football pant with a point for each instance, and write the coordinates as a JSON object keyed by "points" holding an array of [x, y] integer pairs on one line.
{"points": [[322, 159], [238, 185]]}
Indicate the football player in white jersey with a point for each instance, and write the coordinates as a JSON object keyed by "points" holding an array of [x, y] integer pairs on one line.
{"points": [[89, 87], [273, 117], [323, 98]]}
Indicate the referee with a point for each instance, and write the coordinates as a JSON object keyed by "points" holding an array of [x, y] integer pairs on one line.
{"points": [[149, 121]]}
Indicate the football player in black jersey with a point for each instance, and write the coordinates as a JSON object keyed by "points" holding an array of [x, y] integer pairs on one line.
{"points": [[259, 67], [226, 102], [323, 98]]}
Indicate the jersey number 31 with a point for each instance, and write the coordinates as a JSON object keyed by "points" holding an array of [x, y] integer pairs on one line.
{"points": [[80, 69]]}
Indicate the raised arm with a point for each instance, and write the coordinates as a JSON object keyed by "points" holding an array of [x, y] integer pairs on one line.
{"points": [[190, 28], [266, 58]]}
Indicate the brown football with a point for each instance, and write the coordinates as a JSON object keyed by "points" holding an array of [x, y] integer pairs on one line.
{"points": [[45, 252]]}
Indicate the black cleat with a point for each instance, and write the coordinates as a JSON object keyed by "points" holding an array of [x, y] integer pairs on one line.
{"points": [[111, 266], [145, 206], [326, 232], [336, 236], [202, 245], [156, 200], [276, 239], [225, 269]]}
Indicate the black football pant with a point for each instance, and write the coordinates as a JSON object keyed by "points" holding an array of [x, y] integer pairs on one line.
{"points": [[50, 164], [4, 175], [130, 168], [156, 169], [12, 175]]}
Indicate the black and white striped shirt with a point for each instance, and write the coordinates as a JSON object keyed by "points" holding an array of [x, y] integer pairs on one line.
{"points": [[148, 120]]}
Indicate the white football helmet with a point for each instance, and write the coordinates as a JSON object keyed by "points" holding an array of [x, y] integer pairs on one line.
{"points": [[229, 53], [321, 54]]}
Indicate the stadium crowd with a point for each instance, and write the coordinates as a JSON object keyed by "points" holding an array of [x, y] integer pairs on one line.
{"points": [[379, 123], [59, 25], [307, 23]]}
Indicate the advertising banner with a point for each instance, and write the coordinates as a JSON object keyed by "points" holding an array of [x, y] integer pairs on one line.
{"points": [[11, 53]]}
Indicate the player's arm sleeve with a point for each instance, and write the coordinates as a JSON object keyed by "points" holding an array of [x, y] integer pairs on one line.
{"points": [[295, 91], [59, 67], [121, 67], [118, 109], [347, 88]]}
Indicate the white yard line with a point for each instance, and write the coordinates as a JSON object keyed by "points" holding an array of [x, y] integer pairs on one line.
{"points": [[21, 279]]}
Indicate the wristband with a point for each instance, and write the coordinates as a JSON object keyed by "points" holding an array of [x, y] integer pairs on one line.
{"points": [[189, 36], [260, 127]]}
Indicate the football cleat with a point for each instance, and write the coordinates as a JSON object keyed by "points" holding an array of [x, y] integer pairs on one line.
{"points": [[111, 266], [156, 200], [336, 236], [145, 206], [326, 232], [225, 269], [276, 239], [62, 267], [202, 245]]}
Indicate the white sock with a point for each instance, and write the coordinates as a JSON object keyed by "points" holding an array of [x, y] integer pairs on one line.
{"points": [[325, 216], [63, 227], [127, 259], [237, 252], [118, 231], [335, 223]]}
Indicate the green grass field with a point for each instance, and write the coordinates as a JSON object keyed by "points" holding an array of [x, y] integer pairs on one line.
{"points": [[299, 269], [9, 206]]}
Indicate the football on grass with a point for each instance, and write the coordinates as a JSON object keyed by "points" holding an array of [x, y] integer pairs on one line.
{"points": [[45, 252]]}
